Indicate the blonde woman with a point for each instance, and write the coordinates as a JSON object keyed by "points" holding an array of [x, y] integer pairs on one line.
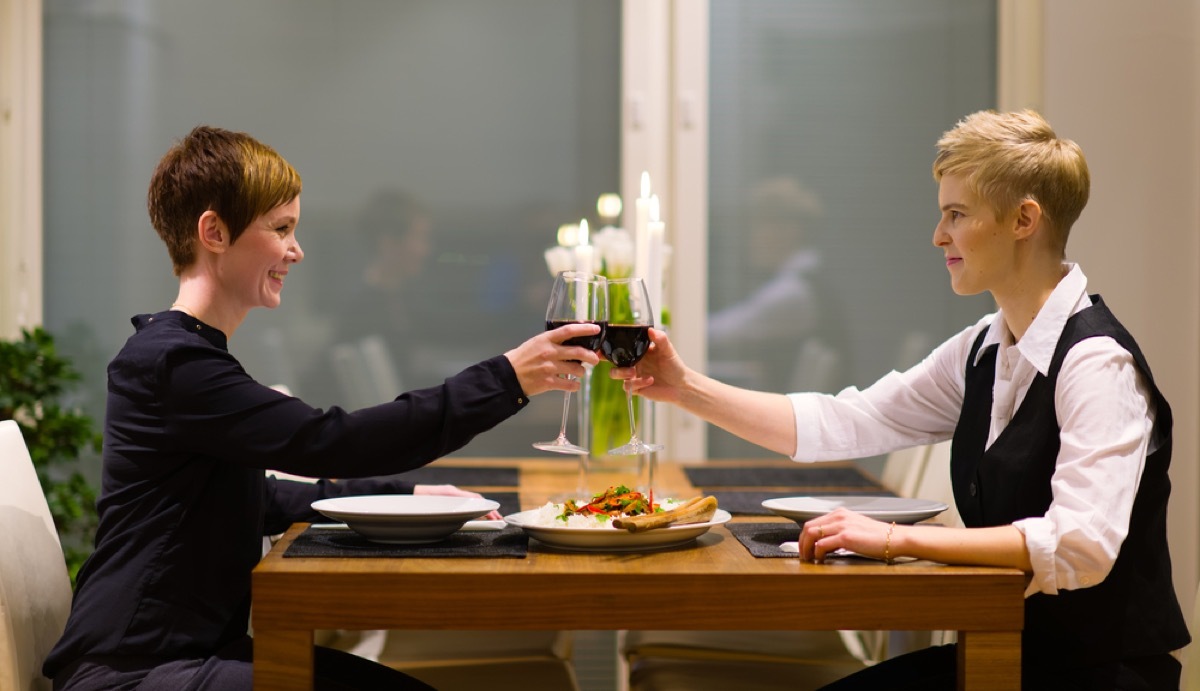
{"points": [[1061, 440]]}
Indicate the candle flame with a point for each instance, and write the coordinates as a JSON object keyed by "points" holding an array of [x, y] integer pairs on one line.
{"points": [[583, 232], [645, 184]]}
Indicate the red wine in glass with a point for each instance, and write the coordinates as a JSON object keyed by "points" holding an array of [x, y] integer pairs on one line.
{"points": [[590, 342], [626, 341], [576, 297], [624, 345]]}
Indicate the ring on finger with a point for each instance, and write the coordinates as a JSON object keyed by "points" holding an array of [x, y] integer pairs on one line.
{"points": [[821, 528]]}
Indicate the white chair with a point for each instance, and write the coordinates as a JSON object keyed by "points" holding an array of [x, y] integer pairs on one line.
{"points": [[935, 484], [495, 660], [35, 590], [743, 660], [903, 469], [364, 372], [816, 367]]}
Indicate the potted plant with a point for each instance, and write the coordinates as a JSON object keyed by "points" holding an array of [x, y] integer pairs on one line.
{"points": [[33, 378]]}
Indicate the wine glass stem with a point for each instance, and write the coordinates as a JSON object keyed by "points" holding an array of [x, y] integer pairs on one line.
{"points": [[562, 429], [632, 427]]}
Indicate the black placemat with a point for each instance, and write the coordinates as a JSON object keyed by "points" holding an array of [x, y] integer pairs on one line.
{"points": [[465, 477], [749, 502], [806, 476], [343, 542], [763, 539]]}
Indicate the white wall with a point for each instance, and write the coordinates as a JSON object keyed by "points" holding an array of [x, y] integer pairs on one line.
{"points": [[1121, 78]]}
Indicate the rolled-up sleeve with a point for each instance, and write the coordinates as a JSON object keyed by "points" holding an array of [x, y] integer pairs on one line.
{"points": [[1105, 427], [918, 406]]}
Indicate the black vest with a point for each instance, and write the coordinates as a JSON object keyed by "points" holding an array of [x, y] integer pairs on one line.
{"points": [[1134, 611]]}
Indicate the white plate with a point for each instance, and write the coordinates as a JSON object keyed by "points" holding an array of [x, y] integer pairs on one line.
{"points": [[404, 518], [612, 539], [898, 509]]}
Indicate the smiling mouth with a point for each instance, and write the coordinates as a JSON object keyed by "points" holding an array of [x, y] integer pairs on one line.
{"points": [[276, 275]]}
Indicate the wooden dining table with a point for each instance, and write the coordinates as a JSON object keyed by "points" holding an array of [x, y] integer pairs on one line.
{"points": [[713, 583]]}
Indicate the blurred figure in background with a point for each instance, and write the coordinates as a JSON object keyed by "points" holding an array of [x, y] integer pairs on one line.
{"points": [[784, 333], [379, 320]]}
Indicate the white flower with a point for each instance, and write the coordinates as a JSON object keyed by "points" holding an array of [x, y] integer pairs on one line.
{"points": [[615, 249], [559, 259]]}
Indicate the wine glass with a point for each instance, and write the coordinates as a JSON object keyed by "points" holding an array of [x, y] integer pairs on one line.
{"points": [[626, 340], [576, 298]]}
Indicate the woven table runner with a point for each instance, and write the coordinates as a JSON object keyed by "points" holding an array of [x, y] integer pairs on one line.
{"points": [[316, 541], [464, 477], [805, 477], [763, 539]]}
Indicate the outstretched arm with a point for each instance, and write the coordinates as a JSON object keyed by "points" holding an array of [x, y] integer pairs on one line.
{"points": [[762, 418]]}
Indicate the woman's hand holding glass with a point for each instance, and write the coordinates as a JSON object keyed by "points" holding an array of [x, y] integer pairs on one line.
{"points": [[659, 375], [575, 299], [548, 361]]}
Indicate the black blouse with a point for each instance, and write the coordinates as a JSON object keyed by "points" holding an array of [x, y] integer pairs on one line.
{"points": [[184, 500]]}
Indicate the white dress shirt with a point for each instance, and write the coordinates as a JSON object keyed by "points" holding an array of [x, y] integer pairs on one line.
{"points": [[1102, 408]]}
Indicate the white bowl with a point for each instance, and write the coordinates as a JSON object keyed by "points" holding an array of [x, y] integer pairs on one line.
{"points": [[404, 518]]}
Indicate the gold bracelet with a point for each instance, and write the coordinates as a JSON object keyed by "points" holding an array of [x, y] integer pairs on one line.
{"points": [[887, 545]]}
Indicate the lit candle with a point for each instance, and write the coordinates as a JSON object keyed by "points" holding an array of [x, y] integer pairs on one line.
{"points": [[641, 237], [654, 263], [583, 264]]}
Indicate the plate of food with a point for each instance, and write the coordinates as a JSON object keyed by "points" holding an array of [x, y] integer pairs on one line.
{"points": [[619, 520], [898, 509], [404, 518]]}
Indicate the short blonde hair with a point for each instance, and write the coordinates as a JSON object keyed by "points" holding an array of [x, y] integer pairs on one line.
{"points": [[1006, 158], [231, 173]]}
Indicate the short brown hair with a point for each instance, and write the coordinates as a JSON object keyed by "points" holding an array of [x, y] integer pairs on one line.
{"points": [[230, 173], [1007, 158]]}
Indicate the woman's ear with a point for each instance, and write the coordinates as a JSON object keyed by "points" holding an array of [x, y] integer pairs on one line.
{"points": [[1028, 219], [214, 236]]}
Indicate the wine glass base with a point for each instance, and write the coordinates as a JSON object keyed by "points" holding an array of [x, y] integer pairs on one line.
{"points": [[564, 447], [635, 449]]}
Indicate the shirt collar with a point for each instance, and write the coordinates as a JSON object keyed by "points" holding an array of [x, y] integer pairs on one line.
{"points": [[188, 322], [1040, 340]]}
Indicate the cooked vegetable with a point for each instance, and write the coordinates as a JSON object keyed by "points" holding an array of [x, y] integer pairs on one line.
{"points": [[612, 502]]}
